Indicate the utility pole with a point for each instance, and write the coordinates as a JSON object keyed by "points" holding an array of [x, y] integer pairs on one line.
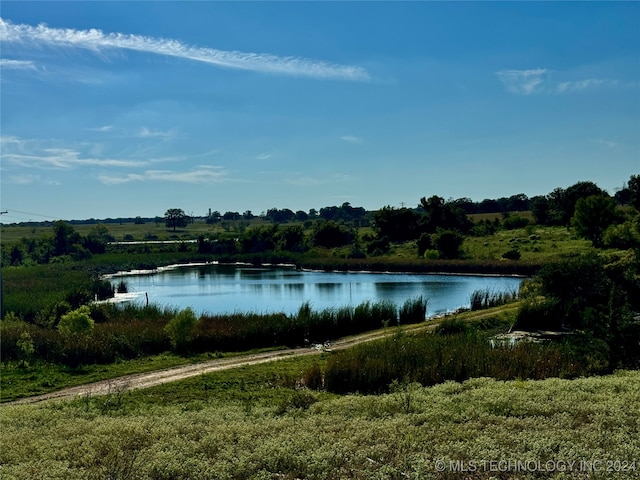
{"points": [[1, 285]]}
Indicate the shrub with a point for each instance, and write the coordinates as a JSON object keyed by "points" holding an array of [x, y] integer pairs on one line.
{"points": [[76, 322], [539, 314], [516, 221], [181, 328], [448, 243], [513, 254], [299, 400]]}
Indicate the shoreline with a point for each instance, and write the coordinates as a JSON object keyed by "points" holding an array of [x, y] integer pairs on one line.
{"points": [[302, 268]]}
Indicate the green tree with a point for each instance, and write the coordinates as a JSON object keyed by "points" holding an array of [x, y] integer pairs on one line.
{"points": [[64, 238], [76, 322], [181, 328], [398, 225], [97, 239], [259, 239], [634, 188], [290, 239], [175, 217], [331, 234], [25, 348], [444, 215], [593, 215], [448, 243]]}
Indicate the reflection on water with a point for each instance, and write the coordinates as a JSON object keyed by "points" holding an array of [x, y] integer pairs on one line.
{"points": [[224, 288]]}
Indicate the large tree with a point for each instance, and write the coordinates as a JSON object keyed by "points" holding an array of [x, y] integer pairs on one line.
{"points": [[593, 215], [175, 217], [444, 215]]}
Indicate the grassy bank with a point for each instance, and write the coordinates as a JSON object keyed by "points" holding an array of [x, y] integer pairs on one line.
{"points": [[132, 333], [254, 423]]}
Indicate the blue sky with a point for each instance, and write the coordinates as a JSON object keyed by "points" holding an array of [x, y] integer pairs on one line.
{"points": [[114, 109]]}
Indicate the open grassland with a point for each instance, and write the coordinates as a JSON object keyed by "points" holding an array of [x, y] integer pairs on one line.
{"points": [[255, 423], [131, 231], [537, 244]]}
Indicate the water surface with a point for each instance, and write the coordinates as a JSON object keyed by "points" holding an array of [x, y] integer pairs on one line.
{"points": [[225, 288]]}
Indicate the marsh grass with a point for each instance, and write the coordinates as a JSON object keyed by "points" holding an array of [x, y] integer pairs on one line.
{"points": [[457, 353], [481, 299], [128, 332]]}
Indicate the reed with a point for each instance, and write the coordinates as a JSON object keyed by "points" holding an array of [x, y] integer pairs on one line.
{"points": [[129, 331], [432, 358], [487, 298]]}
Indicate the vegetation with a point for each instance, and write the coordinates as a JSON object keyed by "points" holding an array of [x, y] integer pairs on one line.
{"points": [[255, 423], [300, 418]]}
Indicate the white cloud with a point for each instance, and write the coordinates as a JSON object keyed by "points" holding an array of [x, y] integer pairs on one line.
{"points": [[144, 132], [607, 143], [533, 81], [99, 42], [31, 154], [263, 156], [105, 128], [201, 174], [27, 179], [9, 64], [523, 82]]}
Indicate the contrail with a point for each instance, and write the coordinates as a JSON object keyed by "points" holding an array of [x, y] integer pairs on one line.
{"points": [[98, 41]]}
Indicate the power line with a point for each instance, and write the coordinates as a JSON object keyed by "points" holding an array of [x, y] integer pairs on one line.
{"points": [[32, 214]]}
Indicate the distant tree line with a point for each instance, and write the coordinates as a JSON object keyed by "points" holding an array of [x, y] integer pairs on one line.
{"points": [[65, 243], [344, 213]]}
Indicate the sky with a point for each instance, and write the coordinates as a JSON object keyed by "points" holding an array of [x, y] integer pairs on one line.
{"points": [[124, 109]]}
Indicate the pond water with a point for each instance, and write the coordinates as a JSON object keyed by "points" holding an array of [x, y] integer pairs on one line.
{"points": [[215, 289]]}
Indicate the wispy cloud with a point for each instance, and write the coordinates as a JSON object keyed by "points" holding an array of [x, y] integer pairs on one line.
{"points": [[104, 128], [6, 63], [144, 132], [264, 156], [523, 82], [535, 81], [30, 154], [100, 42], [607, 143], [351, 139], [587, 84], [27, 179], [201, 174]]}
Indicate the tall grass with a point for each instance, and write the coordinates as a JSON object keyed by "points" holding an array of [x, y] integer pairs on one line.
{"points": [[34, 291], [487, 298], [130, 331], [435, 358]]}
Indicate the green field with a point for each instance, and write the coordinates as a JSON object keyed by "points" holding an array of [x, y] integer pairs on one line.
{"points": [[254, 423]]}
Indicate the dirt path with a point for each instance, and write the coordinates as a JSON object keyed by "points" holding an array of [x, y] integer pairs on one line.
{"points": [[158, 377]]}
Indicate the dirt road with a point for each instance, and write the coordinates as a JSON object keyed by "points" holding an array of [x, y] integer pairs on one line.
{"points": [[150, 379]]}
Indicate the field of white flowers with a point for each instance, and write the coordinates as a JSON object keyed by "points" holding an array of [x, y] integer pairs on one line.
{"points": [[480, 429]]}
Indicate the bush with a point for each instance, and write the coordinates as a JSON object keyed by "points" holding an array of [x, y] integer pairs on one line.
{"points": [[539, 314], [624, 236], [513, 254], [516, 221], [181, 328], [448, 243], [76, 322]]}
